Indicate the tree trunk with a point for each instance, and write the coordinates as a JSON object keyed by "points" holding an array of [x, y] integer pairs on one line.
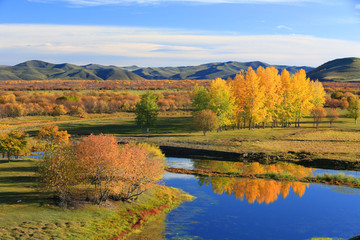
{"points": [[147, 129], [204, 133]]}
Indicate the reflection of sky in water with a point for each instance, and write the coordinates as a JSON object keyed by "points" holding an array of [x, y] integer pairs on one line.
{"points": [[169, 175], [186, 163], [318, 171]]}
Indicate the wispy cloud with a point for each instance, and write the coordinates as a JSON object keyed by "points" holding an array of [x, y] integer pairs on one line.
{"points": [[357, 6], [161, 47], [284, 27], [89, 3]]}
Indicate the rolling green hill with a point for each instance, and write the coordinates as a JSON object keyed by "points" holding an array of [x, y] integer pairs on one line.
{"points": [[39, 70], [205, 71], [343, 69]]}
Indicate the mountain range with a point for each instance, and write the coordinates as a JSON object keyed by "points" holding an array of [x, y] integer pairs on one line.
{"points": [[39, 70], [206, 71], [339, 70]]}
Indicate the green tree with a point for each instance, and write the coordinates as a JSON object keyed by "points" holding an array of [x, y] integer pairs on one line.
{"points": [[354, 110], [147, 110], [200, 98], [221, 101]]}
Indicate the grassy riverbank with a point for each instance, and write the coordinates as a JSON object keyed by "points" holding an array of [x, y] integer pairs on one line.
{"points": [[28, 213]]}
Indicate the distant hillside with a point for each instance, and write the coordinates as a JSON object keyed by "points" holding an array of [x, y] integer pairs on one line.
{"points": [[204, 71], [39, 70], [343, 69]]}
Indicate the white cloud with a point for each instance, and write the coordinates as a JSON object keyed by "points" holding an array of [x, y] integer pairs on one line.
{"points": [[89, 3], [284, 27], [357, 6], [162, 47]]}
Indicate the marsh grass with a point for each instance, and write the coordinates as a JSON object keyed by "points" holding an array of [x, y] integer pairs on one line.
{"points": [[338, 178]]}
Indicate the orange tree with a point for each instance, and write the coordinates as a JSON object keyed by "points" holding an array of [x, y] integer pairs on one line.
{"points": [[98, 157], [205, 120], [318, 114], [140, 166], [332, 115]]}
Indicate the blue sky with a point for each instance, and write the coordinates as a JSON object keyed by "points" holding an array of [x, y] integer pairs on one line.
{"points": [[174, 33]]}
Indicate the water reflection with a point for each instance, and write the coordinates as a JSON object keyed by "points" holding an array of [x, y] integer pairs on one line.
{"points": [[251, 169], [253, 190], [297, 171], [219, 213], [247, 169]]}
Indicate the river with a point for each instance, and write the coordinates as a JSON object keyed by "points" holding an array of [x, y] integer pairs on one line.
{"points": [[242, 208]]}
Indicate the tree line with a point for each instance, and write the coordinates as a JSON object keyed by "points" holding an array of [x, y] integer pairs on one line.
{"points": [[262, 98]]}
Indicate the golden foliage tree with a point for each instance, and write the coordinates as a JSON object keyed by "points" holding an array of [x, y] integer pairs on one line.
{"points": [[265, 96], [59, 172], [12, 143], [52, 136]]}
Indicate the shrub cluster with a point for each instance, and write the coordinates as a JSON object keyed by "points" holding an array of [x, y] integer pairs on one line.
{"points": [[19, 104], [97, 169]]}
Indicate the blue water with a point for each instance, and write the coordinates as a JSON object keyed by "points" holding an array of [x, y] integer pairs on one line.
{"points": [[305, 212], [34, 155]]}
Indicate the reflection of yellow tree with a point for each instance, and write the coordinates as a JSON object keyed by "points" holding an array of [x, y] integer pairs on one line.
{"points": [[251, 169], [259, 190]]}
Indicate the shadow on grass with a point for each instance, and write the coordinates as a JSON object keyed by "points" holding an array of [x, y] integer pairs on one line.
{"points": [[15, 160], [18, 179], [163, 125], [21, 197], [18, 169]]}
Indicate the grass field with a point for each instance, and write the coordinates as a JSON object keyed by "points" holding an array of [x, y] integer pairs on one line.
{"points": [[28, 213], [341, 142]]}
